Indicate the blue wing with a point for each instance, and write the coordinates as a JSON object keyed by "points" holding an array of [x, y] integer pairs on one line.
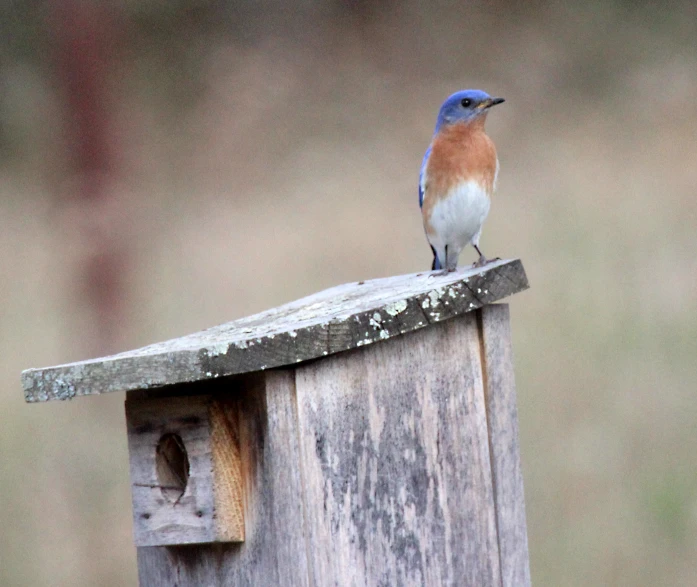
{"points": [[421, 177], [436, 262]]}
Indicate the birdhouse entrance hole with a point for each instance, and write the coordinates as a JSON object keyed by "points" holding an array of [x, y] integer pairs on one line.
{"points": [[172, 466], [223, 428]]}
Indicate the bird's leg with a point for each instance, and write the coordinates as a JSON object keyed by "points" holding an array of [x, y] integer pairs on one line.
{"points": [[449, 267], [482, 259], [444, 269]]}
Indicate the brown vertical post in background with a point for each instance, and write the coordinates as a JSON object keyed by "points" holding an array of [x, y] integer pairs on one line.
{"points": [[366, 435], [84, 35]]}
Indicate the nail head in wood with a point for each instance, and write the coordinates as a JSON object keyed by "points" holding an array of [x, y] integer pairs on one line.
{"points": [[186, 474], [392, 464]]}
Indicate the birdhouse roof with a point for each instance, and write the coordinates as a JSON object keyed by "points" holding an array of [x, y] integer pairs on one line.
{"points": [[335, 320]]}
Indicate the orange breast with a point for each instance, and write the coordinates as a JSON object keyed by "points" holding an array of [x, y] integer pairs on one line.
{"points": [[461, 152]]}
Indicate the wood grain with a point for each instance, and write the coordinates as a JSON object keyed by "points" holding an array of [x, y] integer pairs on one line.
{"points": [[275, 549], [502, 415], [227, 471], [156, 518], [335, 320], [396, 466]]}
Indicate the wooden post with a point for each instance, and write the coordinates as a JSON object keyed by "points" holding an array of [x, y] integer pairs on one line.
{"points": [[389, 464]]}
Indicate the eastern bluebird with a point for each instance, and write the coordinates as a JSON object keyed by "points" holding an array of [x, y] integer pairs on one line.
{"points": [[458, 176]]}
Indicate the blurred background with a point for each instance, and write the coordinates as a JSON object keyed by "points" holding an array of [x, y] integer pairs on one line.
{"points": [[168, 166]]}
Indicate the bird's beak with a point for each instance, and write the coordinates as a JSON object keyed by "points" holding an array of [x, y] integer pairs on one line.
{"points": [[490, 102]]}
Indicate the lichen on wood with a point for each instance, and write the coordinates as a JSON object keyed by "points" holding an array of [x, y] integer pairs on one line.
{"points": [[338, 319]]}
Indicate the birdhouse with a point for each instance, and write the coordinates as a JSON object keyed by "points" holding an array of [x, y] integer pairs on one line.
{"points": [[365, 435]]}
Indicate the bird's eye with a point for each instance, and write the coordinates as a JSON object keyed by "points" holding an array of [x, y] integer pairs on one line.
{"points": [[466, 103]]}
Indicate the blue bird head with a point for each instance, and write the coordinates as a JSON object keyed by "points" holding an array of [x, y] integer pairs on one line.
{"points": [[465, 106]]}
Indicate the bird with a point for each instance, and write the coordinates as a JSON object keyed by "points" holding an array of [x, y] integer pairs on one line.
{"points": [[458, 177]]}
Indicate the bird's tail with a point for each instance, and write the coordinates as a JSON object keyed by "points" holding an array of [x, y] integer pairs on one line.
{"points": [[436, 263]]}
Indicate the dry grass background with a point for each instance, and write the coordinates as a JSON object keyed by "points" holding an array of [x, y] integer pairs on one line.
{"points": [[282, 157]]}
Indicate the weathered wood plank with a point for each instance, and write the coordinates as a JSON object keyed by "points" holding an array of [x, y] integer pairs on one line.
{"points": [[502, 414], [396, 468], [328, 322], [166, 516], [391, 465], [274, 551], [227, 471], [201, 501]]}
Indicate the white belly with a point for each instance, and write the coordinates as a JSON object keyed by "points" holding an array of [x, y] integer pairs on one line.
{"points": [[456, 221]]}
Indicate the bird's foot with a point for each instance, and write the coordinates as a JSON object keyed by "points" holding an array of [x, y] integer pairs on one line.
{"points": [[442, 272], [484, 261]]}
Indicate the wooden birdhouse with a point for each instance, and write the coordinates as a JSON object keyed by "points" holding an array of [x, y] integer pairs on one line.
{"points": [[365, 435]]}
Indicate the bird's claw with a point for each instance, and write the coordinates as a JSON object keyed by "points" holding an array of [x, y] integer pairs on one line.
{"points": [[484, 261]]}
